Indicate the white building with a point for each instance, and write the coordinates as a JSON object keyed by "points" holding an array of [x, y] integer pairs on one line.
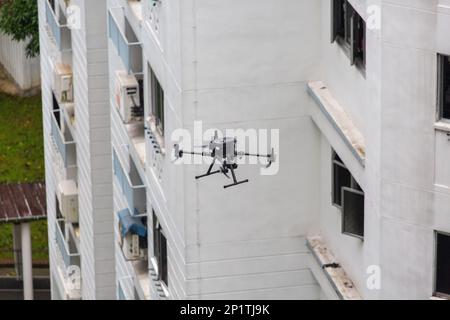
{"points": [[77, 149], [360, 205]]}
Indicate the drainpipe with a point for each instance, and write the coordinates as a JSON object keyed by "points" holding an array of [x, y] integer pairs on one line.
{"points": [[27, 262]]}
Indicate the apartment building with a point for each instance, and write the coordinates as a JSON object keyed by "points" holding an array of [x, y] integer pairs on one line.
{"points": [[75, 98], [391, 81], [359, 91]]}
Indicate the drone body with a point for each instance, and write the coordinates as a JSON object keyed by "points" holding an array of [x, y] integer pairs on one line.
{"points": [[224, 152]]}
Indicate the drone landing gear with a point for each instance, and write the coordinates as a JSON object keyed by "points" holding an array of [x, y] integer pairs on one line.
{"points": [[224, 169], [231, 167], [210, 172]]}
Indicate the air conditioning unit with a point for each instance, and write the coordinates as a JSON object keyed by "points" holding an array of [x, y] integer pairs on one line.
{"points": [[63, 83], [68, 200], [134, 248], [127, 97]]}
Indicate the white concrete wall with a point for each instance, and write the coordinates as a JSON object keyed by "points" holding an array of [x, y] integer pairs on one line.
{"points": [[358, 93], [25, 71], [252, 64], [413, 207], [405, 180], [94, 151]]}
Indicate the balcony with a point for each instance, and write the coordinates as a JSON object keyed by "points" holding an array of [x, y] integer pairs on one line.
{"points": [[128, 48], [69, 262], [68, 249], [59, 29], [63, 140], [136, 133], [131, 186]]}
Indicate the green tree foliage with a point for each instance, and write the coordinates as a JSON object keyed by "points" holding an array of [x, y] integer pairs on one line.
{"points": [[19, 19]]}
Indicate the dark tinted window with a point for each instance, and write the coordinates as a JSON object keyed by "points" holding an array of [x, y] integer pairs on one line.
{"points": [[443, 265]]}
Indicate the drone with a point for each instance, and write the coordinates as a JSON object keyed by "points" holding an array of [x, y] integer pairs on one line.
{"points": [[224, 152]]}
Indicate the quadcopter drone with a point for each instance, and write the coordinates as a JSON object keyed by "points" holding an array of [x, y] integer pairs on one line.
{"points": [[224, 152]]}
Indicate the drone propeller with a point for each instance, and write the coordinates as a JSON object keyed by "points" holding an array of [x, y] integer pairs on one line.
{"points": [[271, 158]]}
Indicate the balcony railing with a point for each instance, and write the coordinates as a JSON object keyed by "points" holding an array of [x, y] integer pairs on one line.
{"points": [[67, 149], [68, 250], [132, 188], [127, 46], [61, 33]]}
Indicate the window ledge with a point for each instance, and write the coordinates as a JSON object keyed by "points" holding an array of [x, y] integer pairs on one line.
{"points": [[337, 116], [335, 274], [442, 126]]}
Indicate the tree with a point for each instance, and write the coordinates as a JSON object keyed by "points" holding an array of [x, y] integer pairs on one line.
{"points": [[19, 19]]}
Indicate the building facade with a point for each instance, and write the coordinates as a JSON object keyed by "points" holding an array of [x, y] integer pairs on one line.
{"points": [[77, 148], [359, 93]]}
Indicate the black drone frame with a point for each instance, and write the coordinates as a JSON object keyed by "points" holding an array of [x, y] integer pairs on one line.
{"points": [[225, 167]]}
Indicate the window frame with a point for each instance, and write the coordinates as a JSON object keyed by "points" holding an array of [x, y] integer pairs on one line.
{"points": [[440, 87], [157, 101], [346, 37], [343, 231], [336, 160], [157, 254], [353, 187], [334, 163], [436, 293]]}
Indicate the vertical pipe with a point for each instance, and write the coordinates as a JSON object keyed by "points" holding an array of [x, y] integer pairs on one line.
{"points": [[27, 262], [17, 243]]}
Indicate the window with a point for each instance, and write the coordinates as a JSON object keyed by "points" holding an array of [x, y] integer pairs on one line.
{"points": [[443, 265], [55, 108], [348, 28], [444, 87], [160, 250], [157, 102], [341, 178], [349, 197], [353, 212]]}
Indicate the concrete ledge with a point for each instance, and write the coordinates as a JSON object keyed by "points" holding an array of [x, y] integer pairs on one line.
{"points": [[335, 283], [339, 119]]}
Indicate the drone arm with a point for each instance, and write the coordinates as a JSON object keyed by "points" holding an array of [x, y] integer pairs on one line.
{"points": [[203, 154], [271, 158], [180, 153]]}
